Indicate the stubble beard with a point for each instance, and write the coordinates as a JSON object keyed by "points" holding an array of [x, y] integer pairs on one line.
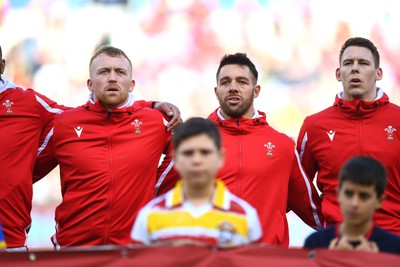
{"points": [[236, 111]]}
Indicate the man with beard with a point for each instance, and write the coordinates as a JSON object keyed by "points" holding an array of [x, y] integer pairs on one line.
{"points": [[262, 165]]}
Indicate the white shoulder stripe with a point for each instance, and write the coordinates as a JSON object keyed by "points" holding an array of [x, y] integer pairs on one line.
{"points": [[162, 177], [307, 182], [303, 145], [45, 142], [47, 107]]}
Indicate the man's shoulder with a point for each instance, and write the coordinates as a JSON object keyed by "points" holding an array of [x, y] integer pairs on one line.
{"points": [[393, 107]]}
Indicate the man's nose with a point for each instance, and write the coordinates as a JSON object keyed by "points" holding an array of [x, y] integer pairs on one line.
{"points": [[112, 76], [233, 86], [355, 67]]}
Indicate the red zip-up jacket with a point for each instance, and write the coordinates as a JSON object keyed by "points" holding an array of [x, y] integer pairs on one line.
{"points": [[108, 163], [24, 114], [262, 167], [350, 128]]}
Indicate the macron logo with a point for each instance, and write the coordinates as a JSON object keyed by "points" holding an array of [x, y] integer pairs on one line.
{"points": [[78, 130], [331, 134]]}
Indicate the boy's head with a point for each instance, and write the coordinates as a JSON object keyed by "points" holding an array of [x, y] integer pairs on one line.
{"points": [[362, 182], [364, 171], [197, 151]]}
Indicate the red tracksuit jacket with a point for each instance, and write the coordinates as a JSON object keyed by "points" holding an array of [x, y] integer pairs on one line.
{"points": [[350, 128], [24, 114], [108, 164], [262, 167]]}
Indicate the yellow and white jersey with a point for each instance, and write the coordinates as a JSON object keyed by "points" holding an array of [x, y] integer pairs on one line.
{"points": [[225, 221]]}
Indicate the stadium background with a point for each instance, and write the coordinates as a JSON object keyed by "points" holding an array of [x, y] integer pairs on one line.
{"points": [[175, 47]]}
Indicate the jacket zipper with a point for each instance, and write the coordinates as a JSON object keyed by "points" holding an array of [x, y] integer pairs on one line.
{"points": [[109, 209], [239, 193], [360, 128]]}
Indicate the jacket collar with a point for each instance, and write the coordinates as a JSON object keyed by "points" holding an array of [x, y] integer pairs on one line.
{"points": [[238, 126], [361, 107], [97, 106]]}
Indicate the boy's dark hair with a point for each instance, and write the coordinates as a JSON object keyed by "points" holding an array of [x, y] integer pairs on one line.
{"points": [[362, 42], [193, 127], [1, 53], [364, 170], [238, 59], [110, 51]]}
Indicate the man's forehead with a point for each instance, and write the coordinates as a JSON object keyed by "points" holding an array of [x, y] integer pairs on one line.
{"points": [[233, 70], [110, 62], [357, 53]]}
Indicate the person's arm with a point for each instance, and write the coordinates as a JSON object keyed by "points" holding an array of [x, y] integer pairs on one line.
{"points": [[46, 160], [140, 233], [168, 109], [49, 109], [167, 176], [303, 198], [308, 162]]}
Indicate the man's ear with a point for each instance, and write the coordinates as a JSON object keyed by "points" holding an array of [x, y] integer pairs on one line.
{"points": [[89, 85], [338, 75]]}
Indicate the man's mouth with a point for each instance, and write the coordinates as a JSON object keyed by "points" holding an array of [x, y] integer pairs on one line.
{"points": [[233, 99], [355, 81]]}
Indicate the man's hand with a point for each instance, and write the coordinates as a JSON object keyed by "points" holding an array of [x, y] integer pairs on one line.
{"points": [[171, 111]]}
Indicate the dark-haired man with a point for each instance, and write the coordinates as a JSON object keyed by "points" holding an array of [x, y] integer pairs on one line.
{"points": [[262, 165], [361, 121]]}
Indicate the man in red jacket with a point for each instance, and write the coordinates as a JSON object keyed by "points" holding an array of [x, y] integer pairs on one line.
{"points": [[24, 116], [262, 165], [361, 121], [108, 151]]}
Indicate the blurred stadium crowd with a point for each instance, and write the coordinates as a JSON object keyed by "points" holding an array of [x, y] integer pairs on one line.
{"points": [[176, 46]]}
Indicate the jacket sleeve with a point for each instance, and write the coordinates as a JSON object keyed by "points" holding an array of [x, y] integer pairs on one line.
{"points": [[167, 176], [306, 157], [48, 111], [46, 160], [303, 198]]}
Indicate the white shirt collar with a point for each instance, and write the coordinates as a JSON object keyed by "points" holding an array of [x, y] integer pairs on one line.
{"points": [[6, 84], [255, 115], [379, 94]]}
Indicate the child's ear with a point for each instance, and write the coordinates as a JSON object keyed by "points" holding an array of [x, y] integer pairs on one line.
{"points": [[380, 200]]}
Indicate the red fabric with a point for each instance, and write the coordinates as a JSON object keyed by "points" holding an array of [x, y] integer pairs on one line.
{"points": [[198, 257], [262, 168], [270, 178], [361, 128], [21, 125], [107, 173]]}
